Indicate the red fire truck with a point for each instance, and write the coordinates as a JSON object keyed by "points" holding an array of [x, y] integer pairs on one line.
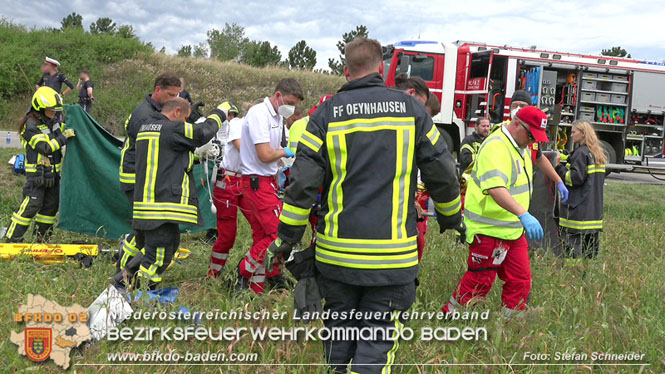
{"points": [[623, 98]]}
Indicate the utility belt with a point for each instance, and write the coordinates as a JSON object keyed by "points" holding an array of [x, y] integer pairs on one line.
{"points": [[226, 177], [84, 100]]}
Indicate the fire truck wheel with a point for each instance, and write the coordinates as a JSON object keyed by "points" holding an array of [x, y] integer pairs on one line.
{"points": [[449, 140], [610, 153]]}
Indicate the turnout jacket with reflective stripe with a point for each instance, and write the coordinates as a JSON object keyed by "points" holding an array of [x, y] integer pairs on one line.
{"points": [[42, 139], [468, 151], [165, 188], [499, 164], [583, 213], [139, 116], [365, 146]]}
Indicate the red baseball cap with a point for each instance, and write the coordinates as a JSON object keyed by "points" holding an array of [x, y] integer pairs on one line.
{"points": [[536, 119]]}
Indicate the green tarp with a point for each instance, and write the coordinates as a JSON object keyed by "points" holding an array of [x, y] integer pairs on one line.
{"points": [[91, 201]]}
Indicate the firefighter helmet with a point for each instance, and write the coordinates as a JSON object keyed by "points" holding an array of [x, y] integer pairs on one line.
{"points": [[46, 98], [230, 108]]}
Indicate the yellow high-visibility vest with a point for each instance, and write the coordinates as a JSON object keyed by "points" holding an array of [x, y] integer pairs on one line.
{"points": [[499, 164], [296, 131]]}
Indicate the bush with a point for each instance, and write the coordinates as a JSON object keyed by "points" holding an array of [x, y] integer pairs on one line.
{"points": [[123, 71], [74, 48]]}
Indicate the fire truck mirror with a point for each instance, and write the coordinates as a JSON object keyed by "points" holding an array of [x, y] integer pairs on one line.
{"points": [[404, 62]]}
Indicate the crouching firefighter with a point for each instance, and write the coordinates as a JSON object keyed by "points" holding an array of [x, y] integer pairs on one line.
{"points": [[165, 194], [364, 146], [43, 140]]}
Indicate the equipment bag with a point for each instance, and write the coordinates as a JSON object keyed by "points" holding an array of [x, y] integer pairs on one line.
{"points": [[19, 164]]}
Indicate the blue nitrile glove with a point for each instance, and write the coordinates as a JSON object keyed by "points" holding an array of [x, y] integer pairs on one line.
{"points": [[289, 152], [563, 191], [532, 226]]}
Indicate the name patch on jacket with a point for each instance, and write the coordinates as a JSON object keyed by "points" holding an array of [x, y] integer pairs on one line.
{"points": [[151, 127], [369, 108]]}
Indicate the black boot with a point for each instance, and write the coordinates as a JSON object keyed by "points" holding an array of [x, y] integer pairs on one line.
{"points": [[128, 274], [242, 284]]}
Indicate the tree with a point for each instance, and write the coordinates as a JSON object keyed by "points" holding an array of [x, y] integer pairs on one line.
{"points": [[337, 67], [301, 56], [72, 21], [126, 31], [227, 44], [615, 52], [200, 51], [261, 54], [103, 25], [185, 51], [163, 50]]}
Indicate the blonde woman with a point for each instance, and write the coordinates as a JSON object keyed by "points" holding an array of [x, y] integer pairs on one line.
{"points": [[581, 217]]}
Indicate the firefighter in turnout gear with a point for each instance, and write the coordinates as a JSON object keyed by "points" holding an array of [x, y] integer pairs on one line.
{"points": [[165, 194], [496, 214], [364, 146], [167, 87], [469, 151], [581, 218], [43, 139]]}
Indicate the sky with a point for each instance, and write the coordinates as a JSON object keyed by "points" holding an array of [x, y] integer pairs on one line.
{"points": [[564, 26]]}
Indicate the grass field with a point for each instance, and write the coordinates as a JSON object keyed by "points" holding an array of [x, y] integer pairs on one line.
{"points": [[617, 307]]}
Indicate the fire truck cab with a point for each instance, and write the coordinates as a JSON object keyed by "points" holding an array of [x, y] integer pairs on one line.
{"points": [[622, 98]]}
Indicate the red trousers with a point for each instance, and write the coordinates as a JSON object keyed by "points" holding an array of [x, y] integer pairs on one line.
{"points": [[227, 198], [489, 257], [421, 199], [265, 206]]}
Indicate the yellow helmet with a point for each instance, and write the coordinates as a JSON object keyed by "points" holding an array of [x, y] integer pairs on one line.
{"points": [[230, 108], [47, 98]]}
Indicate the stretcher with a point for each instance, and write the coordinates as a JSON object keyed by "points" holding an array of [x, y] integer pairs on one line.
{"points": [[50, 253], [61, 253]]}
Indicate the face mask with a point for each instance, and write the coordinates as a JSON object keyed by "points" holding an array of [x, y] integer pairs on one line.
{"points": [[513, 112], [286, 111]]}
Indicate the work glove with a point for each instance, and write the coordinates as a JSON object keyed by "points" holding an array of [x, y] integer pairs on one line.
{"points": [[306, 296], [461, 230], [289, 152], [533, 229], [450, 222], [307, 300], [275, 249], [48, 177], [38, 177], [563, 191], [69, 133]]}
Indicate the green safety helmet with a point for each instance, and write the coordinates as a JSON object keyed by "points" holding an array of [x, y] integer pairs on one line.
{"points": [[47, 98]]}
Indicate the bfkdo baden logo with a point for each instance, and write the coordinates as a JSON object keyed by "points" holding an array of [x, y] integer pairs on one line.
{"points": [[38, 343], [51, 330]]}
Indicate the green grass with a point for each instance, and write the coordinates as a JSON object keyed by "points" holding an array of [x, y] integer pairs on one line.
{"points": [[616, 307]]}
